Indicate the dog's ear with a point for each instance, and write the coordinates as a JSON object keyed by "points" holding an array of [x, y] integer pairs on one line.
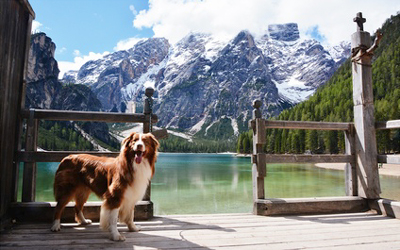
{"points": [[127, 140], [154, 141]]}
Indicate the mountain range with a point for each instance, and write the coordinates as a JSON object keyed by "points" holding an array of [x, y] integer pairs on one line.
{"points": [[205, 85]]}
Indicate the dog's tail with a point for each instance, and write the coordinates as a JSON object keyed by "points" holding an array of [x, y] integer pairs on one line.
{"points": [[62, 179]]}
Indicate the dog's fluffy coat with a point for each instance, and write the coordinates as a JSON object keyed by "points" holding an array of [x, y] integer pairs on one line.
{"points": [[121, 182]]}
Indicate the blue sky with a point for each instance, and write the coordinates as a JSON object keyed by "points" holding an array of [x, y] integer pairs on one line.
{"points": [[89, 29], [88, 25]]}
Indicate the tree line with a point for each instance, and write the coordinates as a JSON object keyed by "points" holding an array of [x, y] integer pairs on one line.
{"points": [[61, 136]]}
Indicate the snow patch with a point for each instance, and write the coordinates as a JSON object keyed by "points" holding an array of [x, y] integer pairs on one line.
{"points": [[130, 91], [88, 137], [294, 90], [196, 128], [139, 129], [209, 126], [235, 126], [182, 135]]}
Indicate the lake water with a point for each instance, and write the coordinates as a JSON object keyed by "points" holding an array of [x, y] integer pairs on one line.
{"points": [[222, 183]]}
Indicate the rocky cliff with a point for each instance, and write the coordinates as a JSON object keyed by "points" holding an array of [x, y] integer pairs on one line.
{"points": [[42, 76], [45, 91]]}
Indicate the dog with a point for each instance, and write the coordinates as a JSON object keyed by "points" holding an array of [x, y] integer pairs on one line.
{"points": [[121, 182]]}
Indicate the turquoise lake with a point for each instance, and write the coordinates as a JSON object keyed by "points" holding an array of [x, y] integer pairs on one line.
{"points": [[222, 183]]}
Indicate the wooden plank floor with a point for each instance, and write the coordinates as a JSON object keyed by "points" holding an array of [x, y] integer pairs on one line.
{"points": [[220, 231]]}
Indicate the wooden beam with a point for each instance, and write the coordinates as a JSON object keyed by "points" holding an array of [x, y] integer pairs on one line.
{"points": [[390, 159], [308, 125], [387, 125], [28, 7], [30, 211], [67, 115], [292, 158], [320, 205], [56, 156], [160, 134], [386, 207]]}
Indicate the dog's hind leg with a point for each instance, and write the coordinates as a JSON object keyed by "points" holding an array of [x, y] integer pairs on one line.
{"points": [[81, 197], [61, 203]]}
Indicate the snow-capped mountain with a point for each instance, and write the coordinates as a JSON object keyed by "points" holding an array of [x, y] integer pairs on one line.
{"points": [[205, 85]]}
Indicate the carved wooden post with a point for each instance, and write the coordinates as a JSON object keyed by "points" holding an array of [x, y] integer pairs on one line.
{"points": [[29, 174], [147, 128], [364, 121], [259, 157], [148, 110]]}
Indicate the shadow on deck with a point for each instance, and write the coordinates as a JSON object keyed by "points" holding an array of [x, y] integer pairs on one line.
{"points": [[220, 231]]}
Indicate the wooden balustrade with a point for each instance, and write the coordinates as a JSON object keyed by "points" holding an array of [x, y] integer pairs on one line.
{"points": [[30, 156], [361, 157]]}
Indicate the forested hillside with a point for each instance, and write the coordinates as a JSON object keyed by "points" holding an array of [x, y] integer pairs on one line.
{"points": [[333, 102]]}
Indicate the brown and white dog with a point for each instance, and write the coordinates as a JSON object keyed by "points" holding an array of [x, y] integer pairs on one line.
{"points": [[121, 182]]}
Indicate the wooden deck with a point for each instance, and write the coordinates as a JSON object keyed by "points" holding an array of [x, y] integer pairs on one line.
{"points": [[221, 231]]}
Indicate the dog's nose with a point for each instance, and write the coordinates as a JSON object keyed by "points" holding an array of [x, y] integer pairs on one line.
{"points": [[139, 147]]}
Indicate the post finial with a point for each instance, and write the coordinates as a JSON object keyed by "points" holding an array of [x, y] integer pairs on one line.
{"points": [[257, 112], [257, 104], [360, 21], [149, 92]]}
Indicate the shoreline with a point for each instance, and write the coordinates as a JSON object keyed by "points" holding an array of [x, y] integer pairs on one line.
{"points": [[386, 169]]}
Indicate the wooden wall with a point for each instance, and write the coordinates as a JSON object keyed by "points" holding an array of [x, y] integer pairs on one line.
{"points": [[15, 28]]}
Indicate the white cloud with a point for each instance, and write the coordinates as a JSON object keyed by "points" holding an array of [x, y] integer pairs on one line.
{"points": [[76, 53], [173, 19], [132, 8], [36, 26], [61, 51], [65, 66], [127, 43]]}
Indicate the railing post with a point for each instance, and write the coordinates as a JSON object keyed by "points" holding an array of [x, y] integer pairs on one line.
{"points": [[350, 168], [147, 128], [148, 110], [29, 174], [258, 158], [364, 121]]}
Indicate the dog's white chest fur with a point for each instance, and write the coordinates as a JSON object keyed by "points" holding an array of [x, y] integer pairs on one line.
{"points": [[135, 192], [141, 178]]}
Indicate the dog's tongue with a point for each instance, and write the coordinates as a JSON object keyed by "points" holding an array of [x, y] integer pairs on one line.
{"points": [[138, 157]]}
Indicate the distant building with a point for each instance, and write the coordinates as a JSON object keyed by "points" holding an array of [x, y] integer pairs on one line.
{"points": [[131, 107]]}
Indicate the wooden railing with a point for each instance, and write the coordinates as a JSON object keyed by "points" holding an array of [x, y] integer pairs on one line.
{"points": [[361, 156], [260, 159], [394, 124], [30, 156]]}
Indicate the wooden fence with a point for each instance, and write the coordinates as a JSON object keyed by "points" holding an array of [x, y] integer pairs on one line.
{"points": [[361, 157], [30, 156]]}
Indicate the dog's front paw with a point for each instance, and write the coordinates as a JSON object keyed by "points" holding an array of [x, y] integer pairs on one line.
{"points": [[56, 226], [86, 222], [117, 237], [133, 228]]}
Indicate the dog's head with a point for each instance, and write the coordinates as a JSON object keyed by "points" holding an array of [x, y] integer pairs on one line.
{"points": [[139, 146]]}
